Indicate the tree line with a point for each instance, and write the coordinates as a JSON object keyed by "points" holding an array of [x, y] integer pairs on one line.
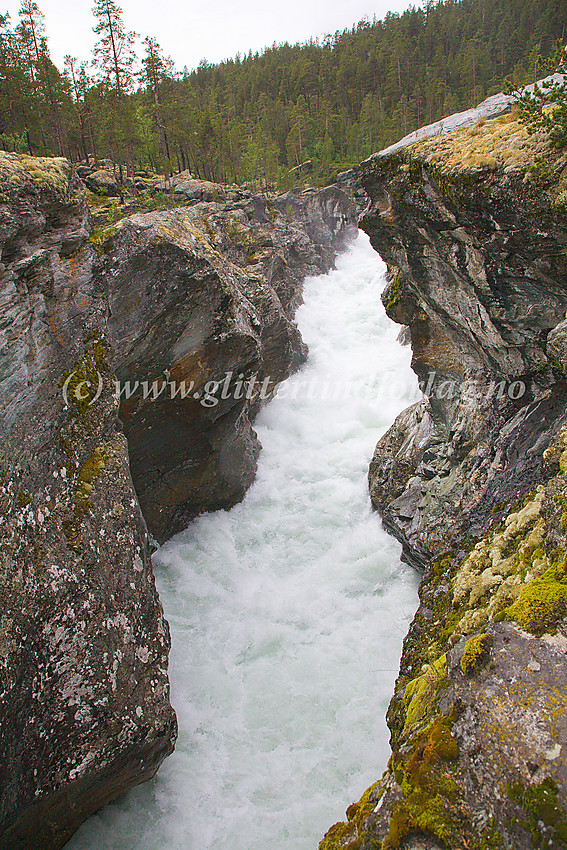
{"points": [[268, 118]]}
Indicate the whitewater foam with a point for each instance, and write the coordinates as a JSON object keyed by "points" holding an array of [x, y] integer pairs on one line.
{"points": [[287, 613]]}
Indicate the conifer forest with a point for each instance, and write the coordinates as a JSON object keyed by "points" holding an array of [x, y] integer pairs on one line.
{"points": [[289, 113]]}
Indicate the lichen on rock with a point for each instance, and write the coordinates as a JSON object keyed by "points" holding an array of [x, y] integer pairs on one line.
{"points": [[84, 645], [474, 484]]}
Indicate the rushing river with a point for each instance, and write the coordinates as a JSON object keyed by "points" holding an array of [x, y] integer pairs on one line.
{"points": [[288, 612]]}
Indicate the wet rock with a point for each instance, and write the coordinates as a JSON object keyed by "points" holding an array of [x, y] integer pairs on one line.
{"points": [[473, 482], [190, 295]]}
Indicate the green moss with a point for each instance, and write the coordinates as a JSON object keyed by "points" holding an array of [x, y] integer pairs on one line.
{"points": [[338, 835], [351, 833], [100, 236], [422, 692], [50, 173], [82, 382], [88, 473], [542, 603], [490, 839], [402, 823], [476, 654], [90, 470], [541, 804], [424, 770], [394, 291], [441, 740]]}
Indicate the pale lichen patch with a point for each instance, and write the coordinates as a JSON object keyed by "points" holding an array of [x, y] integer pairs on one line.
{"points": [[46, 172], [502, 142]]}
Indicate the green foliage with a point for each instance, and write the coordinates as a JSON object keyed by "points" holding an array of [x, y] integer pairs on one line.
{"points": [[541, 168], [13, 142], [114, 213], [114, 52], [546, 109], [257, 118]]}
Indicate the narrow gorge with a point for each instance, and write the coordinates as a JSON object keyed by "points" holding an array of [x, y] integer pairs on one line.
{"points": [[276, 607]]}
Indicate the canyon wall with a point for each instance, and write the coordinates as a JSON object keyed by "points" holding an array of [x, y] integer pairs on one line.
{"points": [[473, 482], [177, 306]]}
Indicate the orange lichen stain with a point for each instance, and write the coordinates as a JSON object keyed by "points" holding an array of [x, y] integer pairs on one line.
{"points": [[56, 332]]}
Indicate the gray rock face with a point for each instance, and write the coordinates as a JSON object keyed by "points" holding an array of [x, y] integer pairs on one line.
{"points": [[83, 641], [194, 293], [473, 482], [186, 188], [479, 279], [201, 301], [102, 182]]}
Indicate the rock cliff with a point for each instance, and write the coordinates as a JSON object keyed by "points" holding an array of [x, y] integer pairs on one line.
{"points": [[181, 308], [473, 482], [201, 302]]}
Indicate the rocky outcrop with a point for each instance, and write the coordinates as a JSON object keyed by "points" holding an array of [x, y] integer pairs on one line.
{"points": [[473, 482], [83, 641], [201, 301], [477, 262], [186, 189], [188, 295], [103, 182]]}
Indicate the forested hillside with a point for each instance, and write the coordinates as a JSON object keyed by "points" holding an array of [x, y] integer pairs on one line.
{"points": [[258, 117]]}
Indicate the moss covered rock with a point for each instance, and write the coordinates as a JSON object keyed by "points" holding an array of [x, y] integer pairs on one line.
{"points": [[473, 482]]}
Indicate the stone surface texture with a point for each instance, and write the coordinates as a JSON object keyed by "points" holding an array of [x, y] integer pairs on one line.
{"points": [[473, 482], [197, 293]]}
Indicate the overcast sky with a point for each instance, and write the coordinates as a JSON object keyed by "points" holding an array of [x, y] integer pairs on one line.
{"points": [[191, 30]]}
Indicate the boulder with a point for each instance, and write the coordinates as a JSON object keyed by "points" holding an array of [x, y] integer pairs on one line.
{"points": [[103, 182]]}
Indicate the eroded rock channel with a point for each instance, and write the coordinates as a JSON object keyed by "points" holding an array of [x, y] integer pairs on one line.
{"points": [[197, 293]]}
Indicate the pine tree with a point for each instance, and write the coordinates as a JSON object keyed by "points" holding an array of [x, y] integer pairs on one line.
{"points": [[114, 52], [45, 74], [115, 58], [154, 68], [79, 86]]}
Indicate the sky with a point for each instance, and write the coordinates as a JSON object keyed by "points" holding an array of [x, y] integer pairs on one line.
{"points": [[192, 30]]}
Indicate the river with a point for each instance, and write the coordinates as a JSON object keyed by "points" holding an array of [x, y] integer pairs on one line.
{"points": [[287, 612]]}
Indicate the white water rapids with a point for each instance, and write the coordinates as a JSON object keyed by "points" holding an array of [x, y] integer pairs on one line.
{"points": [[287, 613]]}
